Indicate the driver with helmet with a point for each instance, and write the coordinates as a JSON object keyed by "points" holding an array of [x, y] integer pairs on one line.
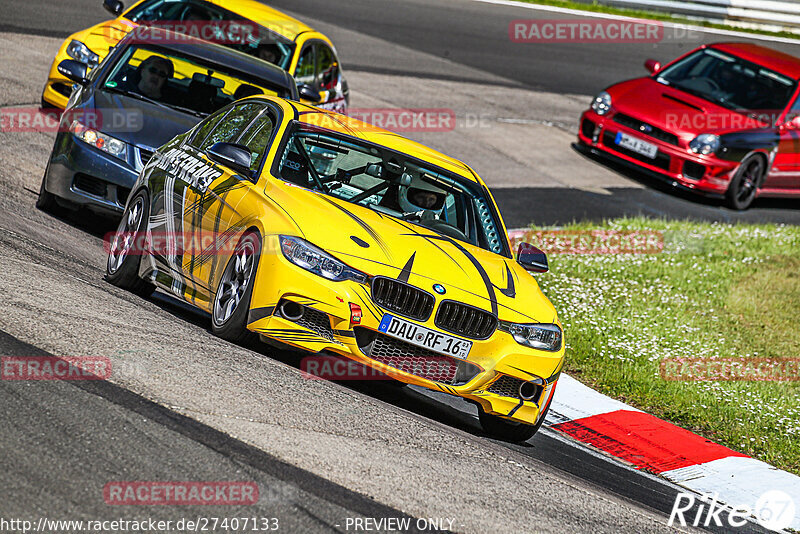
{"points": [[422, 199]]}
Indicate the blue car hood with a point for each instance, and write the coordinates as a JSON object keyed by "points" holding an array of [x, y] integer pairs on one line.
{"points": [[137, 122]]}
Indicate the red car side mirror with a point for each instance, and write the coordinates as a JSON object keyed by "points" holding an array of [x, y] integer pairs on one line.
{"points": [[652, 66]]}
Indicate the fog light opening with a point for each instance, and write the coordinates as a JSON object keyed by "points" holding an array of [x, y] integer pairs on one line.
{"points": [[529, 391], [291, 310]]}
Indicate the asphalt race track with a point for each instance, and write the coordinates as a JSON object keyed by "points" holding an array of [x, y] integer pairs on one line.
{"points": [[188, 406]]}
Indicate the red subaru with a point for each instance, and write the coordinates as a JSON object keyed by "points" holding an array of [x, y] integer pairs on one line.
{"points": [[723, 120]]}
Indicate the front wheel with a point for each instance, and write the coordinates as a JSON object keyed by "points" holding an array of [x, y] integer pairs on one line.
{"points": [[742, 190], [232, 299], [46, 201], [125, 254]]}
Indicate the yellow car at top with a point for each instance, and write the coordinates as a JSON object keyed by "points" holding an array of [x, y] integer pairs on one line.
{"points": [[246, 25], [312, 229]]}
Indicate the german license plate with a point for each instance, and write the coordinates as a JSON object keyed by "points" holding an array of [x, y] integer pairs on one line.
{"points": [[637, 145], [425, 337]]}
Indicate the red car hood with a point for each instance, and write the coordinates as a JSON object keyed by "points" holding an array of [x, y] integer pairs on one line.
{"points": [[675, 111]]}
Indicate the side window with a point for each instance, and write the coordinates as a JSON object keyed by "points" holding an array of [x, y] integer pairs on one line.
{"points": [[205, 127], [327, 67], [235, 122], [304, 73], [257, 138]]}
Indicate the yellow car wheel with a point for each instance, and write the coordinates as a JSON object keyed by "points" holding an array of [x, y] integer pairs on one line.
{"points": [[232, 299]]}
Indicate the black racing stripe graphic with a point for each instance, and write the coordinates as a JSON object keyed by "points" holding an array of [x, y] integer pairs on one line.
{"points": [[371, 231], [478, 267], [523, 371], [517, 407], [256, 314], [552, 378], [405, 272], [212, 251], [509, 291], [283, 209], [344, 333], [415, 232]]}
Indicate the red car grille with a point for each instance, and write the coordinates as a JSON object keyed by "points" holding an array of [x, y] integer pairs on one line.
{"points": [[646, 129]]}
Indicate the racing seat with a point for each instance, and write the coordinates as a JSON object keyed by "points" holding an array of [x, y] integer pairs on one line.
{"points": [[295, 169]]}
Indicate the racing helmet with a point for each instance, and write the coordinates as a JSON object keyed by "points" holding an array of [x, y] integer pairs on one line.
{"points": [[421, 195]]}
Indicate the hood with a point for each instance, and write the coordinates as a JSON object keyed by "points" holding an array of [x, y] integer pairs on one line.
{"points": [[101, 37], [676, 111], [382, 245], [137, 122]]}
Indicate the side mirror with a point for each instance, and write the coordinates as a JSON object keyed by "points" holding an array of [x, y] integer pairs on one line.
{"points": [[307, 92], [235, 157], [74, 70], [652, 66], [114, 7], [532, 259]]}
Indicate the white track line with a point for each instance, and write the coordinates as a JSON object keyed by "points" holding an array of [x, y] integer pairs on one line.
{"points": [[579, 12]]}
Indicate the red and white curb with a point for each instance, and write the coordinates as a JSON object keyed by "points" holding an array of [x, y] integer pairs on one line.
{"points": [[645, 442]]}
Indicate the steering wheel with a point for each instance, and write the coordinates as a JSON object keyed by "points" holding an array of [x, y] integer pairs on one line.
{"points": [[445, 228], [714, 86]]}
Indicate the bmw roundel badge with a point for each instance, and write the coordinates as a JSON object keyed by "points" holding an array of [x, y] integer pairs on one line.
{"points": [[439, 288]]}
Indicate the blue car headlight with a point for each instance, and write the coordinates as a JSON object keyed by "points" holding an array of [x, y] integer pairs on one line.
{"points": [[78, 50], [314, 259], [104, 142], [542, 336]]}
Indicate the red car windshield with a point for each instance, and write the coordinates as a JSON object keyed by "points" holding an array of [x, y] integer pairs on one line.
{"points": [[729, 81]]}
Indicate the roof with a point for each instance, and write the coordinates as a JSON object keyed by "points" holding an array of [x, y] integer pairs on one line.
{"points": [[248, 66], [261, 14], [339, 123], [767, 57]]}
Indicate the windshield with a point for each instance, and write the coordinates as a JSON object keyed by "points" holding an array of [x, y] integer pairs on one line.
{"points": [[212, 23], [729, 81], [391, 183], [182, 83]]}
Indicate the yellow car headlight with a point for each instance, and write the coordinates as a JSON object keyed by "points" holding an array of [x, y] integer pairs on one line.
{"points": [[542, 336], [314, 259]]}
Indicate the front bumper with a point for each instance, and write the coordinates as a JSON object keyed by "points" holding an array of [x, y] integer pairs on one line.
{"points": [[88, 177], [489, 376], [674, 162]]}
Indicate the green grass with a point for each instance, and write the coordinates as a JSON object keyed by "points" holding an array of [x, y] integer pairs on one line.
{"points": [[716, 291], [655, 15]]}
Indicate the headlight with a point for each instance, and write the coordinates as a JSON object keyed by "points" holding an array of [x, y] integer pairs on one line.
{"points": [[311, 258], [78, 50], [705, 144], [104, 142], [602, 103], [538, 336]]}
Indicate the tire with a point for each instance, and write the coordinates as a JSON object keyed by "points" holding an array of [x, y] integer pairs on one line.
{"points": [[122, 268], [506, 430], [232, 300], [46, 201], [742, 189]]}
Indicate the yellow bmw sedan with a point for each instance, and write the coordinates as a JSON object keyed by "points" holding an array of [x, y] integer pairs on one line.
{"points": [[311, 229], [245, 25]]}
